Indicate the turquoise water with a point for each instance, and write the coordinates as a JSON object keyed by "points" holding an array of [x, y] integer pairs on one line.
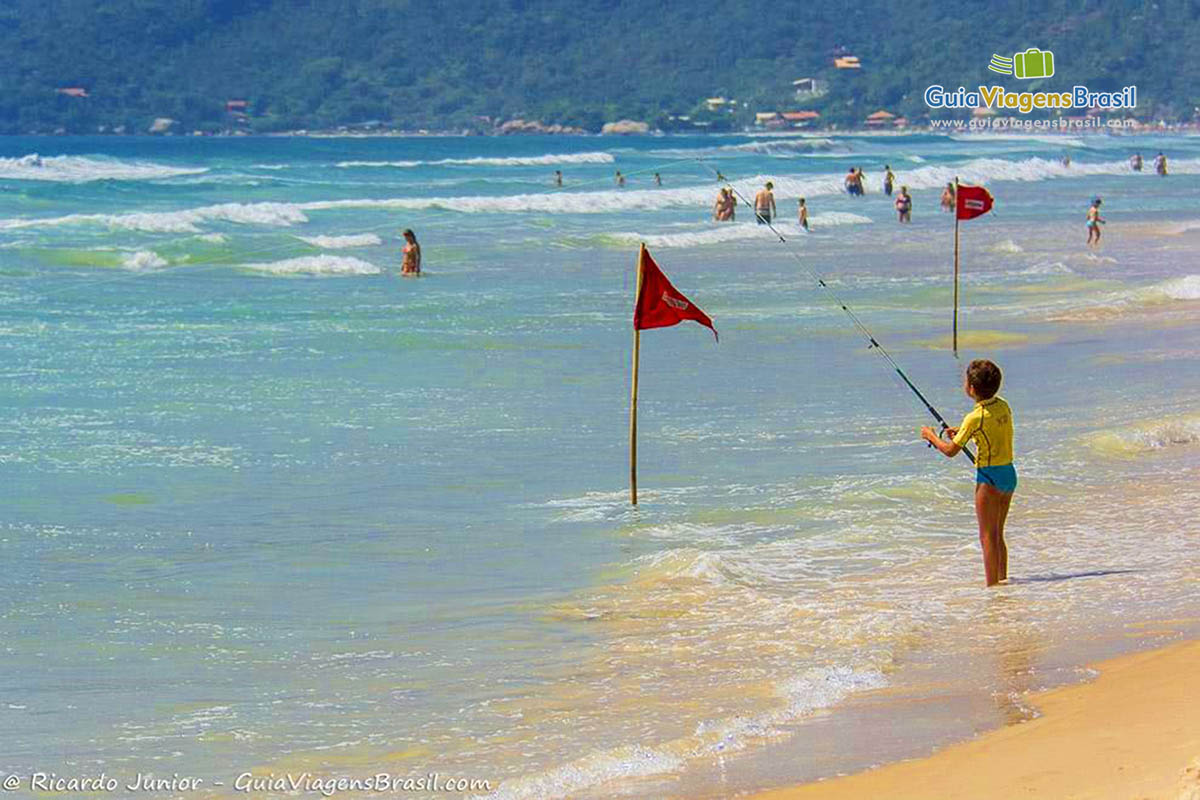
{"points": [[269, 507]]}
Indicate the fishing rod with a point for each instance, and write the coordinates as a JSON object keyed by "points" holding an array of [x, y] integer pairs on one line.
{"points": [[858, 323]]}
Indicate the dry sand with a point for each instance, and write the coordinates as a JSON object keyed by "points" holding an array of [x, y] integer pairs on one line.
{"points": [[1132, 734]]}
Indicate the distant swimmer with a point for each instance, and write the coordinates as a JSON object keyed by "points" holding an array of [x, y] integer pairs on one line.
{"points": [[620, 179], [1094, 221], [1135, 162], [802, 213], [412, 254], [1160, 164], [904, 205], [990, 424], [558, 177], [657, 179], [888, 180], [948, 197], [1066, 159], [764, 204]]}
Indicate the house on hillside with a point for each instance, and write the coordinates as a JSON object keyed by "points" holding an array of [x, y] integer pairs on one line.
{"points": [[880, 118], [800, 119], [72, 91], [809, 88], [768, 119], [720, 103], [237, 106], [847, 62]]}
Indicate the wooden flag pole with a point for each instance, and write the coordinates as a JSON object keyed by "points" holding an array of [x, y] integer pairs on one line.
{"points": [[633, 397], [955, 334]]}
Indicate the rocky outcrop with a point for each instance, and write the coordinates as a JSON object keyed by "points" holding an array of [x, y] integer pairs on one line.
{"points": [[163, 125], [625, 126], [533, 126]]}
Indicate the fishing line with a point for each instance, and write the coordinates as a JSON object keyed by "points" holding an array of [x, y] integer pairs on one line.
{"points": [[858, 323]]}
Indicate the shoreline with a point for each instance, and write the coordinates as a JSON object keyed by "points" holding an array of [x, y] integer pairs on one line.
{"points": [[1132, 732]]}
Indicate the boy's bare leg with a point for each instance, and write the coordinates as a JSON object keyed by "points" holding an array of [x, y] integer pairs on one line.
{"points": [[987, 511], [1002, 546]]}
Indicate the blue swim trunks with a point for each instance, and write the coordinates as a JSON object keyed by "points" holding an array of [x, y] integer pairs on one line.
{"points": [[1003, 477]]}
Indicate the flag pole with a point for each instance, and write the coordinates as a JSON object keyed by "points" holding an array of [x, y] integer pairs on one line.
{"points": [[633, 395], [955, 334]]}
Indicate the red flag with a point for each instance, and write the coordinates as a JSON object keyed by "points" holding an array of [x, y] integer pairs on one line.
{"points": [[659, 304], [972, 201]]}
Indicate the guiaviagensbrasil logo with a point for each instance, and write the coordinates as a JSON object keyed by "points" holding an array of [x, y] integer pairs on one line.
{"points": [[1033, 63], [1030, 64]]}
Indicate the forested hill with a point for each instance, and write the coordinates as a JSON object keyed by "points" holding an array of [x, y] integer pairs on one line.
{"points": [[447, 64]]}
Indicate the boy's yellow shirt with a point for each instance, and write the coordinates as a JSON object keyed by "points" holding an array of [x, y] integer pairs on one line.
{"points": [[990, 424]]}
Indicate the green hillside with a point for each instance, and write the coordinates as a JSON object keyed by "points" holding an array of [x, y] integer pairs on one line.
{"points": [[449, 64]]}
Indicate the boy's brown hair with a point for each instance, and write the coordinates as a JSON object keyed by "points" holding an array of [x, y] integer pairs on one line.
{"points": [[984, 378]]}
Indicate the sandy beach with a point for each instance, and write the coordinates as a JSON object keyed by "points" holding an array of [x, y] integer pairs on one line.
{"points": [[1133, 732]]}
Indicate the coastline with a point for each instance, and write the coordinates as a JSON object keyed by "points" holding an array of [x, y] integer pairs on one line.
{"points": [[1132, 732]]}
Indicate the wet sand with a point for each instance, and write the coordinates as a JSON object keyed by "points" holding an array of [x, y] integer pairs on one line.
{"points": [[1133, 732]]}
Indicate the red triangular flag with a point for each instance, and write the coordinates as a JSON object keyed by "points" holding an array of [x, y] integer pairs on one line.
{"points": [[972, 201], [659, 304]]}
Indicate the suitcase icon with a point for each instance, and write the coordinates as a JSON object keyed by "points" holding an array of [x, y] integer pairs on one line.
{"points": [[1033, 63]]}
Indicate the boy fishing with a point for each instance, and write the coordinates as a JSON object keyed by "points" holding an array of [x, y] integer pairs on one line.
{"points": [[990, 425]]}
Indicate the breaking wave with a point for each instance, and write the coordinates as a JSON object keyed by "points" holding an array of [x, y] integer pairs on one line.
{"points": [[483, 161], [719, 232], [144, 260], [337, 266], [79, 169], [1138, 439], [337, 242]]}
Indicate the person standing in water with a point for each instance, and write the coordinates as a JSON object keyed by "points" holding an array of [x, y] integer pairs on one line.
{"points": [[1094, 221], [948, 197], [1135, 162], [411, 265], [620, 179], [904, 205], [558, 177], [851, 181], [990, 424], [1160, 164], [888, 180], [802, 213], [657, 179], [764, 204]]}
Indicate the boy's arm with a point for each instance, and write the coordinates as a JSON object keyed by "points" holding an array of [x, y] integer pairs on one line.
{"points": [[948, 449]]}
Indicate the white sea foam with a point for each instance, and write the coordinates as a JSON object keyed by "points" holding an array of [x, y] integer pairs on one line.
{"points": [[816, 689], [214, 238], [1006, 246], [1065, 141], [337, 242], [81, 169], [144, 260], [1185, 288], [482, 161], [727, 232], [185, 221], [338, 266]]}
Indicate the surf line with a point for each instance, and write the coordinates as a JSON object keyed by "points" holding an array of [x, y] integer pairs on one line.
{"points": [[858, 323]]}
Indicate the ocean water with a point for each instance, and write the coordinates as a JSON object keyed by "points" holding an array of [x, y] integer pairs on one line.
{"points": [[269, 508]]}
